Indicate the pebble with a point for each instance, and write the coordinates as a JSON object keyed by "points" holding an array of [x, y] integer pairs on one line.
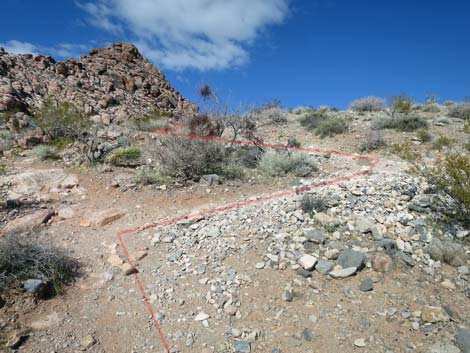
{"points": [[360, 342], [242, 346], [343, 273], [307, 334], [308, 262], [201, 316], [366, 285], [287, 296]]}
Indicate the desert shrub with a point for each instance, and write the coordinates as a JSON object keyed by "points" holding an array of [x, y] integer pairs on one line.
{"points": [[151, 121], [311, 119], [293, 142], [332, 126], [449, 103], [424, 136], [401, 104], [282, 163], [125, 156], [249, 156], [405, 123], [189, 158], [28, 256], [61, 119], [61, 142], [371, 139], [442, 141], [451, 179], [6, 140], [323, 109], [334, 109], [446, 252], [203, 125], [431, 108], [460, 111], [44, 152], [368, 104], [466, 127], [310, 203], [405, 151], [149, 176]]}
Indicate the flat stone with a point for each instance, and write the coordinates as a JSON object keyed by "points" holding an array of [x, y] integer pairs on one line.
{"points": [[307, 334], [314, 235], [304, 273], [65, 213], [127, 269], [350, 258], [381, 263], [443, 348], [366, 285], [364, 225], [202, 316], [343, 273], [87, 342], [287, 296], [242, 346], [102, 218], [308, 262], [324, 266], [462, 340], [115, 260], [231, 310], [28, 223], [360, 342], [209, 180], [434, 314]]}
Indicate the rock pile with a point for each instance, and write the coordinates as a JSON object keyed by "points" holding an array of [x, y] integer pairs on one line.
{"points": [[110, 84]]}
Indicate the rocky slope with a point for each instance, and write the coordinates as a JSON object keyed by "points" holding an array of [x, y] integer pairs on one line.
{"points": [[110, 84]]}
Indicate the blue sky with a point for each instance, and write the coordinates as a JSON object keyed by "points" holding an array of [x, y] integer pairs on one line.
{"points": [[303, 52]]}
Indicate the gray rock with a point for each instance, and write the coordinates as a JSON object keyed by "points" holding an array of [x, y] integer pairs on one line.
{"points": [[350, 258], [462, 270], [364, 225], [443, 348], [287, 296], [209, 180], [304, 273], [307, 334], [462, 339], [343, 273], [34, 286], [314, 236], [324, 266], [242, 346], [366, 285]]}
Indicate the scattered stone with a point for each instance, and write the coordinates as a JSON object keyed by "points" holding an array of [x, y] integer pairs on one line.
{"points": [[366, 285], [209, 180], [34, 286], [202, 316], [443, 348], [307, 334], [28, 223], [434, 314], [350, 258], [314, 236], [115, 260], [463, 270], [16, 338], [381, 263], [343, 272], [304, 273], [65, 213], [324, 266], [87, 342], [242, 346], [462, 340], [364, 225], [127, 269], [360, 342], [260, 265], [332, 254], [231, 310], [287, 296], [102, 218], [308, 262]]}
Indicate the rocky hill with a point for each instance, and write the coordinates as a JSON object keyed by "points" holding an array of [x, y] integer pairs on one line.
{"points": [[110, 84]]}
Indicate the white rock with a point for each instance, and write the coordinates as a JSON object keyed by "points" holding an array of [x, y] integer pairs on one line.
{"points": [[308, 262]]}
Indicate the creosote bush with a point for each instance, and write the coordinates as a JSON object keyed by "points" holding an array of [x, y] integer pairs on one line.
{"points": [[152, 121], [45, 152], [149, 176], [401, 104], [368, 104], [441, 142], [61, 119], [203, 125], [331, 126], [312, 118], [28, 256], [405, 123], [460, 111], [310, 203], [424, 136], [282, 163]]}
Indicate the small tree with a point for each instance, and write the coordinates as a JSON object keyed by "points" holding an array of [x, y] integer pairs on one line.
{"points": [[400, 104]]}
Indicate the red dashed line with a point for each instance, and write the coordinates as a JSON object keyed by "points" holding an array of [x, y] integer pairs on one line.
{"points": [[374, 162]]}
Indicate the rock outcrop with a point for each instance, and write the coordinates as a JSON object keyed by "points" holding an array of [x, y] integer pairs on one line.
{"points": [[109, 84]]}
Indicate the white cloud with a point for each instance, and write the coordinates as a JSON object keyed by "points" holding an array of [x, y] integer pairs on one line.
{"points": [[179, 34], [61, 50], [18, 47]]}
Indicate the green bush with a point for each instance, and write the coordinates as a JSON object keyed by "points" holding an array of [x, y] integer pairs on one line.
{"points": [[405, 123], [311, 119], [460, 111], [293, 142], [431, 108], [332, 126], [27, 256], [442, 141], [282, 163], [451, 179], [424, 136], [61, 119], [401, 104], [45, 152], [310, 203], [61, 142], [125, 156], [149, 176]]}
